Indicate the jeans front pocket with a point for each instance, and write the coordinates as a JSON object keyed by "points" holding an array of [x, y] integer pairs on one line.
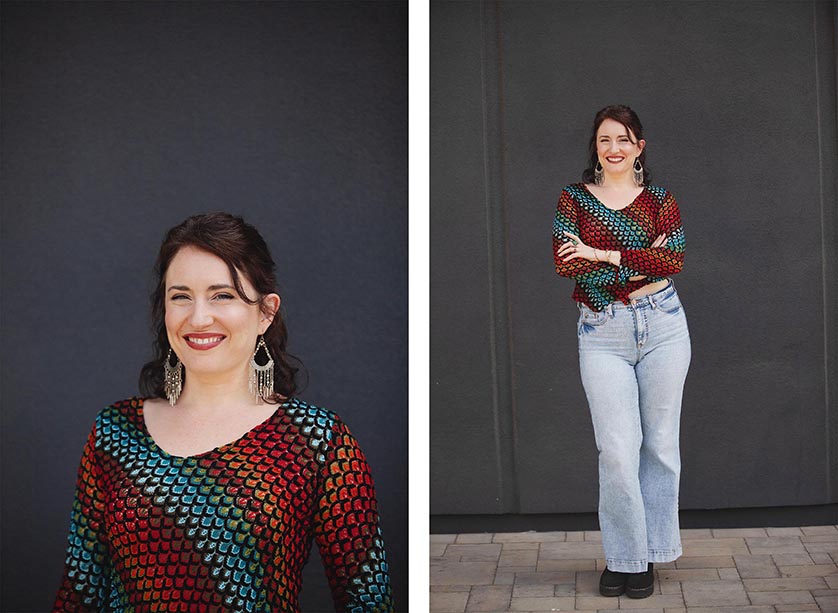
{"points": [[670, 303], [589, 320]]}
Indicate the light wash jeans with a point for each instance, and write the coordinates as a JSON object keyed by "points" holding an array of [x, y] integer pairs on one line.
{"points": [[634, 360]]}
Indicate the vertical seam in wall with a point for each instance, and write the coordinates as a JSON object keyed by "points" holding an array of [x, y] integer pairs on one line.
{"points": [[833, 377], [824, 288], [827, 235], [497, 251]]}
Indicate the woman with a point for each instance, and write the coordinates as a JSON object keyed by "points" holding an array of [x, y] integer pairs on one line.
{"points": [[620, 237], [204, 494]]}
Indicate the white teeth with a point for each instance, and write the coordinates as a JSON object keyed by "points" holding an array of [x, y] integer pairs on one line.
{"points": [[204, 341]]}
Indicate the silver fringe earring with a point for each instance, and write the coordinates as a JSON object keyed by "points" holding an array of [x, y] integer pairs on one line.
{"points": [[262, 377], [172, 378], [638, 172], [599, 172]]}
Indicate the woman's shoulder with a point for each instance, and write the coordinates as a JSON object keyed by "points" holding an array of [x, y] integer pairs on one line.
{"points": [[116, 417], [575, 189], [661, 193], [121, 408], [312, 420], [321, 429]]}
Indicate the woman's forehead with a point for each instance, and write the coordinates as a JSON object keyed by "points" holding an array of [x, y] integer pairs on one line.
{"points": [[200, 268], [611, 127]]}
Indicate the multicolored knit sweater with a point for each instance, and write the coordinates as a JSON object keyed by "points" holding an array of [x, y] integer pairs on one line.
{"points": [[226, 530], [630, 230]]}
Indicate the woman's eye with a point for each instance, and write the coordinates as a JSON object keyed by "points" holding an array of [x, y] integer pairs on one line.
{"points": [[224, 297], [180, 297]]}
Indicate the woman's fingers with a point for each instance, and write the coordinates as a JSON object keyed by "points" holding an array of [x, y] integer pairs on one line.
{"points": [[565, 249], [660, 241], [572, 236]]}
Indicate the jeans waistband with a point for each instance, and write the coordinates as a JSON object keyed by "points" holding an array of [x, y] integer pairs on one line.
{"points": [[650, 300]]}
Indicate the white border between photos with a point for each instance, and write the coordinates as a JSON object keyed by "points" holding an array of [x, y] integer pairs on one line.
{"points": [[418, 305]]}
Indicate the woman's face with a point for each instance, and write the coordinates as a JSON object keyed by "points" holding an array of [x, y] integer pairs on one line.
{"points": [[211, 329], [614, 147]]}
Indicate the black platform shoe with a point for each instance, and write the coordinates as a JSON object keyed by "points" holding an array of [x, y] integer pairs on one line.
{"points": [[641, 585], [612, 583]]}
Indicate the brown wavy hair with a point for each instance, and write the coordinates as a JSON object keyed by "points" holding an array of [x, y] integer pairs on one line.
{"points": [[627, 117], [243, 249]]}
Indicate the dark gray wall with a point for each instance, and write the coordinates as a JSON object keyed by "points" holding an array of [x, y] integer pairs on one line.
{"points": [[121, 119], [739, 105]]}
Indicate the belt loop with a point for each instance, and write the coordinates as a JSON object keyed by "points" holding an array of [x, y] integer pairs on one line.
{"points": [[652, 302]]}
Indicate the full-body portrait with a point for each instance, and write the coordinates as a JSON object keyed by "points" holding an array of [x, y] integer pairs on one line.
{"points": [[650, 414], [619, 238]]}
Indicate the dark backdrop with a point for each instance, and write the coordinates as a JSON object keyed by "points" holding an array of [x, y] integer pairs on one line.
{"points": [[739, 105], [121, 119]]}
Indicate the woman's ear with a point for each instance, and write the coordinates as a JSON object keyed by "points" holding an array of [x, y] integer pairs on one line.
{"points": [[270, 307]]}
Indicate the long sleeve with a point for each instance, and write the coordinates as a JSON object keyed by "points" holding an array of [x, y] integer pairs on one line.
{"points": [[581, 270], [346, 529], [658, 261], [84, 584]]}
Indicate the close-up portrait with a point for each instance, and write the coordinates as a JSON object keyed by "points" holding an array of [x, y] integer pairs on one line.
{"points": [[204, 306]]}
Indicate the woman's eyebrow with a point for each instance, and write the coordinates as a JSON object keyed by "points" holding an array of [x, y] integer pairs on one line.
{"points": [[184, 288]]}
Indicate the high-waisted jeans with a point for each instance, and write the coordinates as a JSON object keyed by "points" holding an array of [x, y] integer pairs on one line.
{"points": [[634, 360]]}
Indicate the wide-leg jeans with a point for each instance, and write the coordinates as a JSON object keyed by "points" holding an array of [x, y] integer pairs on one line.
{"points": [[634, 360]]}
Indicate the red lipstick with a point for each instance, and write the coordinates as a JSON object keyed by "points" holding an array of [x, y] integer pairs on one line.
{"points": [[202, 341]]}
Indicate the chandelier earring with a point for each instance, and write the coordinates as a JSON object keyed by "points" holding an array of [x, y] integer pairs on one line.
{"points": [[262, 376], [638, 172], [172, 377], [599, 173]]}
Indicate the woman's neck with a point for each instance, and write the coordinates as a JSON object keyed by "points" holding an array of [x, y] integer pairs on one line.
{"points": [[208, 395], [619, 182]]}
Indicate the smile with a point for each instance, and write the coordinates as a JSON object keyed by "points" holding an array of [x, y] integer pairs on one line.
{"points": [[203, 341], [615, 160]]}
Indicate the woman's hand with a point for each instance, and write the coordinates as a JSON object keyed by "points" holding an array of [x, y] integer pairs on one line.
{"points": [[575, 248], [660, 241]]}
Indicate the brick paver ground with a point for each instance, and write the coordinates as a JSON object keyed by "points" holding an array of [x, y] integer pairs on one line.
{"points": [[723, 571]]}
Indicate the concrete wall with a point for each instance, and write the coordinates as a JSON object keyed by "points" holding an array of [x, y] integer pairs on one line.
{"points": [[121, 119], [738, 102]]}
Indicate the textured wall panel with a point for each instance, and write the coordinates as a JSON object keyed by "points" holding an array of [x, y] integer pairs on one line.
{"points": [[738, 103], [121, 119]]}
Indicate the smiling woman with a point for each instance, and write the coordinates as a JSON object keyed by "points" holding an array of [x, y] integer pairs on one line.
{"points": [[204, 494], [620, 239]]}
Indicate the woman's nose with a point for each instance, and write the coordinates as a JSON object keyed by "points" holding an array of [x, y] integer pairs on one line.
{"points": [[201, 315]]}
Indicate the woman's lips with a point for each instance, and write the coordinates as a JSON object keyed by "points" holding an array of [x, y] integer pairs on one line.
{"points": [[202, 342], [615, 160]]}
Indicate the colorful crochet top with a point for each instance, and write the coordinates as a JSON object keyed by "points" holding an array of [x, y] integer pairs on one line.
{"points": [[630, 230], [226, 530]]}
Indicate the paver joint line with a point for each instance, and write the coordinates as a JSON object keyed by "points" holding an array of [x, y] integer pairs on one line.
{"points": [[743, 570]]}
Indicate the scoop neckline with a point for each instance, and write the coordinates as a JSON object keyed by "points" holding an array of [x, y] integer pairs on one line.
{"points": [[585, 187], [219, 449]]}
